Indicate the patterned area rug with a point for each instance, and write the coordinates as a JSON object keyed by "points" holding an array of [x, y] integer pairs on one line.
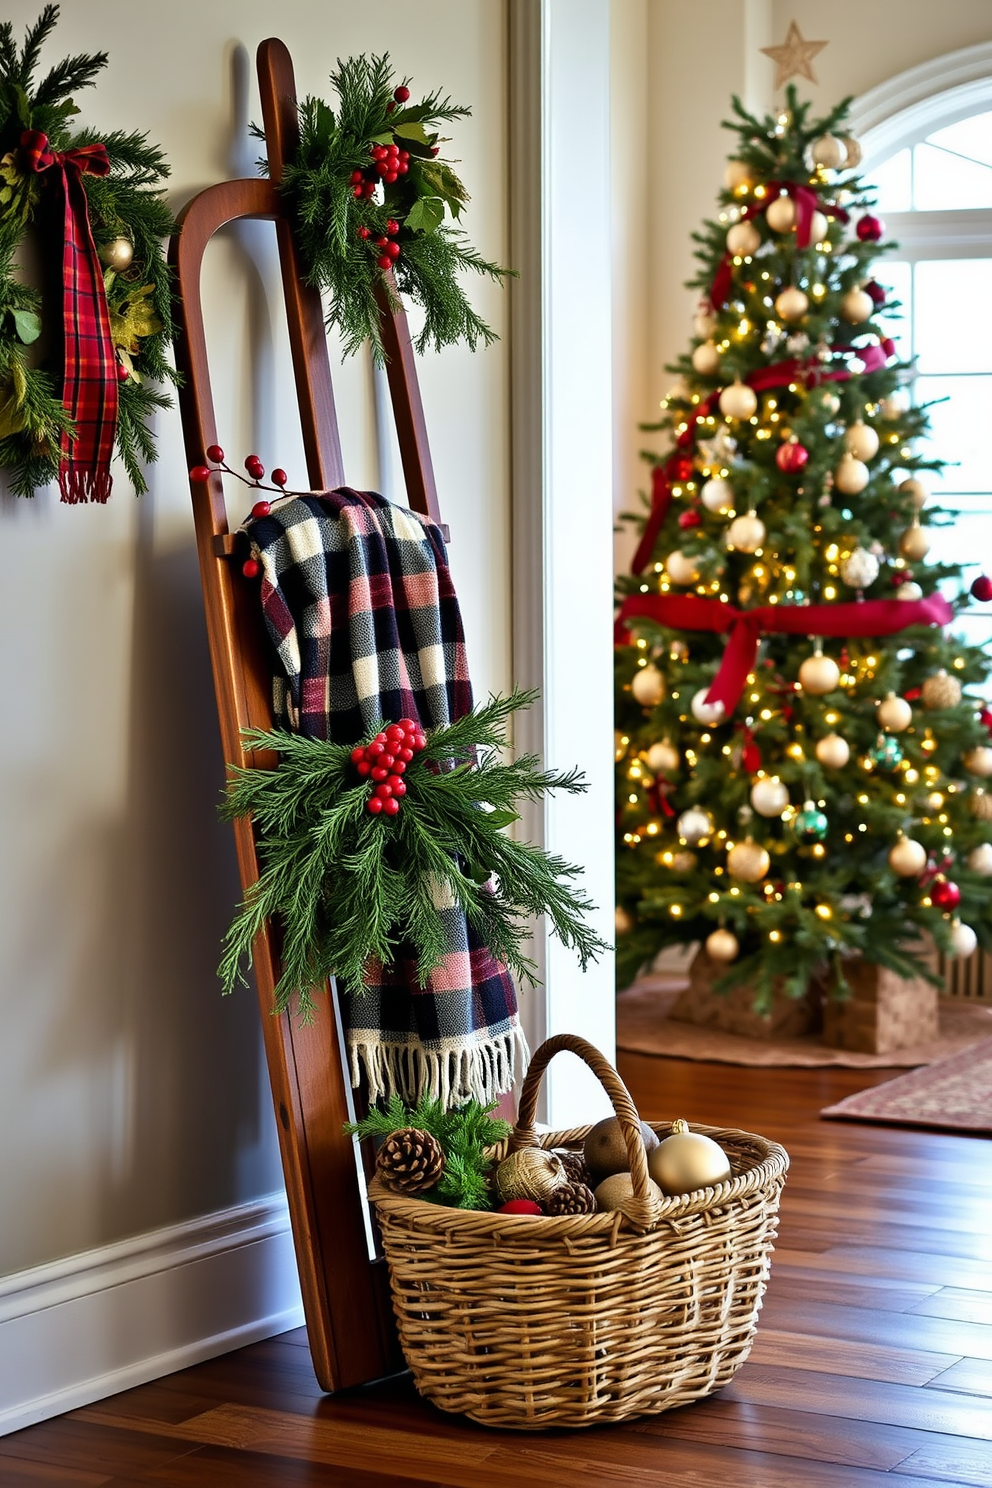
{"points": [[643, 1027], [953, 1095]]}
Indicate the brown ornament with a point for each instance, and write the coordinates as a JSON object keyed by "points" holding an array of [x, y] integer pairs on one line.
{"points": [[531, 1173], [571, 1198], [605, 1150], [409, 1161], [618, 1189], [941, 691]]}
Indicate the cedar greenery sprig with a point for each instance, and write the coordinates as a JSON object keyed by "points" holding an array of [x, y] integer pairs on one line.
{"points": [[465, 1133], [352, 230], [125, 204], [349, 889]]}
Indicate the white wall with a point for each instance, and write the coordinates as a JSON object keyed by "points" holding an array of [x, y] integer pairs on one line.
{"points": [[132, 1097]]}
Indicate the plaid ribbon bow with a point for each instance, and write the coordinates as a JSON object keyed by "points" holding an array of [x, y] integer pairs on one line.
{"points": [[89, 388]]}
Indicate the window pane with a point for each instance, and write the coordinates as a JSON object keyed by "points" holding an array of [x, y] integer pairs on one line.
{"points": [[893, 182], [959, 432], [953, 315], [897, 280], [942, 181], [971, 137]]}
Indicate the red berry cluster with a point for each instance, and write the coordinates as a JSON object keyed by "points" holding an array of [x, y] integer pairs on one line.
{"points": [[389, 249], [251, 568], [384, 763], [387, 164]]}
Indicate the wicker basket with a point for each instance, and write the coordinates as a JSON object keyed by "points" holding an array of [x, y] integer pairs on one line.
{"points": [[529, 1322]]}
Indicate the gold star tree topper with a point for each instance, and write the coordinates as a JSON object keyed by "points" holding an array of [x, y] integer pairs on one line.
{"points": [[794, 58]]}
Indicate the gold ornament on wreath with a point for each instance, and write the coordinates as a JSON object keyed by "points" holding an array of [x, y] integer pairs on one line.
{"points": [[102, 207]]}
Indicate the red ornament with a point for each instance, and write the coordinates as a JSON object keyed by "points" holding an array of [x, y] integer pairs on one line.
{"points": [[358, 191], [682, 468], [875, 292], [791, 456], [985, 718], [901, 576], [363, 767], [215, 453], [279, 477], [199, 473], [261, 509], [982, 588], [520, 1206], [869, 228], [944, 894], [122, 373], [251, 568], [689, 518], [402, 93]]}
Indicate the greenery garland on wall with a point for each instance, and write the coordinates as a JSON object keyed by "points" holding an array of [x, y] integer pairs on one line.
{"points": [[370, 194], [128, 220]]}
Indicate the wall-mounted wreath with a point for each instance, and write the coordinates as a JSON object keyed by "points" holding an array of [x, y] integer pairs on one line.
{"points": [[81, 353]]}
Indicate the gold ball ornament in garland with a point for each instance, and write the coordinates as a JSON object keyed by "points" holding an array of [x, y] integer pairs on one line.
{"points": [[648, 686], [617, 1190], [833, 751], [722, 945], [907, 858], [738, 401], [916, 492], [703, 324], [736, 174], [781, 214], [605, 1148], [118, 254], [747, 861], [980, 805], [705, 359], [909, 590], [829, 151], [819, 675], [531, 1173], [857, 306], [623, 922], [687, 1161], [894, 713], [855, 154], [915, 543], [941, 691], [743, 239]]}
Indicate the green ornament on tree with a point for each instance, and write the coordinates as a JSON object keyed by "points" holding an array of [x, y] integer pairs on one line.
{"points": [[810, 825], [887, 753]]}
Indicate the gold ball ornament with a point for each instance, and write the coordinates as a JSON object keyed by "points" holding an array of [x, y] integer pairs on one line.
{"points": [[851, 475], [818, 675], [833, 751], [747, 861], [717, 495], [980, 859], [681, 569], [703, 712], [605, 1149], [722, 945], [662, 758], [907, 858], [746, 533], [648, 686], [915, 542], [743, 240], [623, 922], [736, 174], [860, 568], [854, 152], [791, 304], [694, 825], [781, 214], [531, 1173], [978, 761], [706, 359], [679, 862], [117, 254], [818, 227], [894, 714], [687, 1161], [738, 401], [909, 590], [704, 324], [769, 796], [618, 1190], [829, 152], [941, 691], [963, 940], [857, 306], [916, 491], [980, 805], [861, 441]]}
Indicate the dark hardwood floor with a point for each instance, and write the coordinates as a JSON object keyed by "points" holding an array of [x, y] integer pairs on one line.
{"points": [[872, 1366]]}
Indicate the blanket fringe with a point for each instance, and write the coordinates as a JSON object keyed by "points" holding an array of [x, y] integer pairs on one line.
{"points": [[483, 1070]]}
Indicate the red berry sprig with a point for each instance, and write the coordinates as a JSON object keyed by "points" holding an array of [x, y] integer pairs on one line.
{"points": [[251, 568], [383, 763]]}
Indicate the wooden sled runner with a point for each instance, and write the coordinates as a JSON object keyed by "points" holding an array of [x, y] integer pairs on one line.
{"points": [[345, 1294]]}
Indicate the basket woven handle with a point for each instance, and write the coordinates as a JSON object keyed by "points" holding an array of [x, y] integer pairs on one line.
{"points": [[643, 1208]]}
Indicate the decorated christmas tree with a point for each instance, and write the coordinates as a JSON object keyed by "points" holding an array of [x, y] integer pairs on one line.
{"points": [[801, 741]]}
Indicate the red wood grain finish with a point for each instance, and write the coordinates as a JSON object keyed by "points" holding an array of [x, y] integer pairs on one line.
{"points": [[872, 1366]]}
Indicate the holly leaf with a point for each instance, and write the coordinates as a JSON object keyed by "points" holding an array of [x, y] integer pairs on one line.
{"points": [[441, 181], [27, 325], [413, 130], [323, 122], [426, 214], [496, 818]]}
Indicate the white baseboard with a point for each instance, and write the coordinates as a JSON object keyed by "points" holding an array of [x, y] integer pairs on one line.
{"points": [[92, 1324]]}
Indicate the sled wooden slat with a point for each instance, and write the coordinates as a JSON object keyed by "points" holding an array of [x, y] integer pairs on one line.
{"points": [[346, 1298]]}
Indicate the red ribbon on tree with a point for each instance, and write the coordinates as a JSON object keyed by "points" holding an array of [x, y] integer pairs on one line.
{"points": [[807, 202], [89, 389], [873, 617]]}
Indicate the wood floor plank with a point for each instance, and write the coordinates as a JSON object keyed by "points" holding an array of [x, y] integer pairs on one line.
{"points": [[846, 1291], [967, 1377], [896, 1366], [106, 1449], [956, 1302], [217, 1467], [22, 1473], [965, 1465], [870, 1325], [896, 1265]]}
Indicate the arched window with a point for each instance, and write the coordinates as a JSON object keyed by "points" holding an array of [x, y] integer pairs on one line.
{"points": [[931, 164]]}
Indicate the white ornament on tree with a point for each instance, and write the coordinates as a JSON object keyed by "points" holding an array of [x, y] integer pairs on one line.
{"points": [[704, 712], [978, 761], [859, 569], [648, 686], [819, 674], [963, 940], [833, 751], [818, 227], [736, 174], [909, 590], [829, 152], [722, 945], [854, 151], [857, 306], [861, 441], [980, 859], [746, 533], [738, 401], [769, 796], [703, 324], [694, 825], [706, 359], [907, 858], [894, 714], [662, 758], [717, 495], [681, 568], [743, 240]]}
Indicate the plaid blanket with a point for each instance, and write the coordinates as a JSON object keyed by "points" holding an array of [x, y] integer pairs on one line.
{"points": [[359, 605]]}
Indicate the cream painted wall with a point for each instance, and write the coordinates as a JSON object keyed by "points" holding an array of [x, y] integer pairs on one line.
{"points": [[131, 1095], [697, 57]]}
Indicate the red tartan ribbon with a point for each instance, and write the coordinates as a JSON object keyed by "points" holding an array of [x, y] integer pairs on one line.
{"points": [[873, 617], [89, 389], [807, 202]]}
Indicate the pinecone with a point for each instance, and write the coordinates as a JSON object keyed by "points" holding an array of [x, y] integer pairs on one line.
{"points": [[409, 1161], [574, 1164], [571, 1198]]}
